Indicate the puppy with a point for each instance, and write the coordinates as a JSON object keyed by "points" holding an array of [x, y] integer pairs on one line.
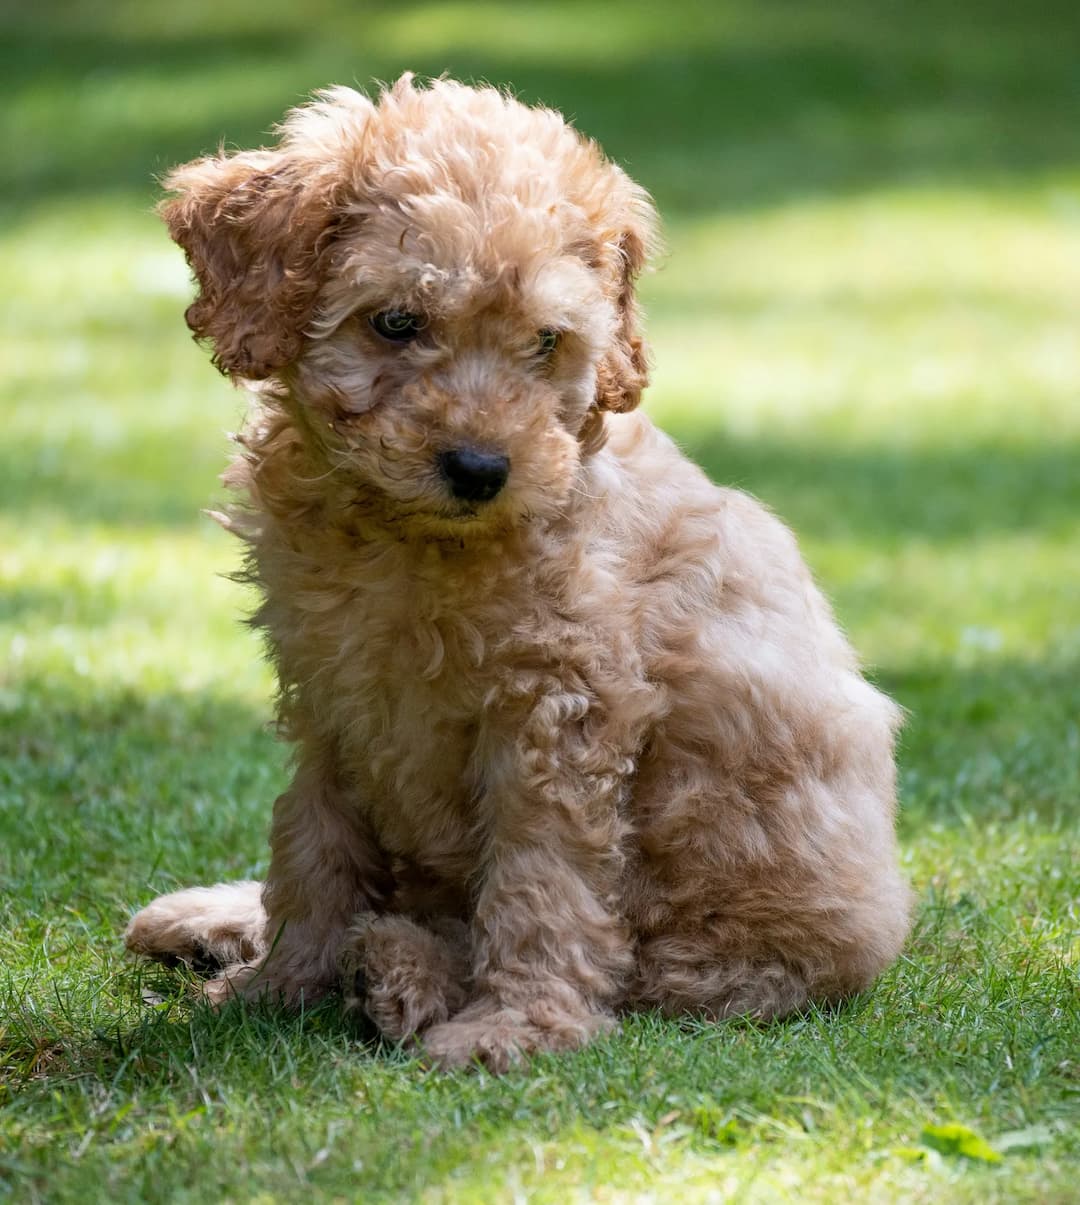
{"points": [[575, 732]]}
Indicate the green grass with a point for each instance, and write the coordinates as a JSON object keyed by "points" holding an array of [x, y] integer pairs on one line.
{"points": [[868, 317]]}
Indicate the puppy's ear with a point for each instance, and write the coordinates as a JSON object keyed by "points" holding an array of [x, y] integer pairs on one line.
{"points": [[256, 227], [624, 371], [252, 228]]}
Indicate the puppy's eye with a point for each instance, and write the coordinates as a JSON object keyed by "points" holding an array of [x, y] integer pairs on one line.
{"points": [[399, 326], [546, 342]]}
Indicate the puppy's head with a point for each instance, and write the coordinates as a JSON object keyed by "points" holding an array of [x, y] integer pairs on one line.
{"points": [[440, 283]]}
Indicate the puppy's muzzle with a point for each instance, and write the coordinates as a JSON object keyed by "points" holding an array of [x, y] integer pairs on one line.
{"points": [[472, 474]]}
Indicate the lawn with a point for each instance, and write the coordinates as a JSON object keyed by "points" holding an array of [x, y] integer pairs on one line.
{"points": [[868, 316]]}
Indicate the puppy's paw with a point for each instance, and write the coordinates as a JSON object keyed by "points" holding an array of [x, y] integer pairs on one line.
{"points": [[498, 1038], [205, 927], [404, 976]]}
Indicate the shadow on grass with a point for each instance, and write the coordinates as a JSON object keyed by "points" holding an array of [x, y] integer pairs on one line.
{"points": [[748, 107], [110, 796], [988, 743], [157, 1032], [891, 495]]}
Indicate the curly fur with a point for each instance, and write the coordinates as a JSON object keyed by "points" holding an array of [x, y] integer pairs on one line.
{"points": [[596, 743]]}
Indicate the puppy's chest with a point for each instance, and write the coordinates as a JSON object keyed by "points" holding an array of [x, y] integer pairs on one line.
{"points": [[413, 685], [409, 712]]}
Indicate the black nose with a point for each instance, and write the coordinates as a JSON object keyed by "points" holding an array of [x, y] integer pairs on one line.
{"points": [[474, 476]]}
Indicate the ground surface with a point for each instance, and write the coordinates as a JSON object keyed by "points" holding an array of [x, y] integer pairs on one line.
{"points": [[868, 317]]}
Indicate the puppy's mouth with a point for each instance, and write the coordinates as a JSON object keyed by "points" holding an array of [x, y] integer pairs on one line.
{"points": [[464, 512], [474, 514], [447, 519], [459, 513]]}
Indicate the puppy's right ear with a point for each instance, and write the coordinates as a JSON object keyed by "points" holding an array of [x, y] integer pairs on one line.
{"points": [[252, 228]]}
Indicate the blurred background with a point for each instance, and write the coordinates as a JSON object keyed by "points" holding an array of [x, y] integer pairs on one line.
{"points": [[867, 316]]}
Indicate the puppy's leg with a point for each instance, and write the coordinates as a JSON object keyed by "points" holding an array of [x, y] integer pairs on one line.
{"points": [[550, 955], [325, 867], [206, 927], [405, 976]]}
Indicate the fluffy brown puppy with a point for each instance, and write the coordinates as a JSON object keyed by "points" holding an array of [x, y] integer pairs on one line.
{"points": [[574, 729]]}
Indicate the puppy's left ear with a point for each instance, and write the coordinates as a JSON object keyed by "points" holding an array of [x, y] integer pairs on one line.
{"points": [[250, 226], [255, 227], [624, 371]]}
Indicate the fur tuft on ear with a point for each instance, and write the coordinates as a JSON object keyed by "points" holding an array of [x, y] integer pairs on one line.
{"points": [[255, 226], [624, 372]]}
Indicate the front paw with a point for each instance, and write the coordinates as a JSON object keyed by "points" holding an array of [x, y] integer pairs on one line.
{"points": [[499, 1037], [404, 976]]}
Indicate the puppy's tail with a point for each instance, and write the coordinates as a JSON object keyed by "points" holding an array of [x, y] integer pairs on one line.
{"points": [[205, 927]]}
